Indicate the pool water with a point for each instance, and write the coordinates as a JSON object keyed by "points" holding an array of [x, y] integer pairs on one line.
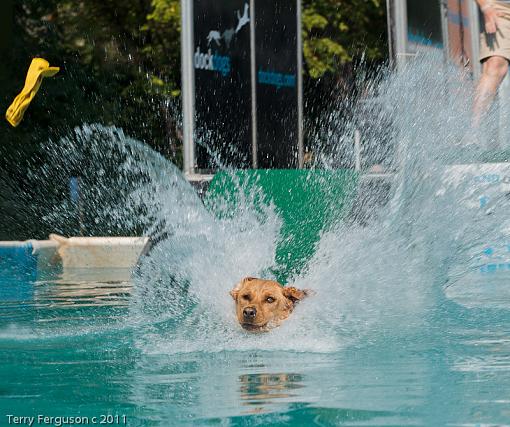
{"points": [[408, 325], [71, 352]]}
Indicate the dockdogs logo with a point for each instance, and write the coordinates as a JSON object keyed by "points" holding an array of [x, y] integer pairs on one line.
{"points": [[210, 60]]}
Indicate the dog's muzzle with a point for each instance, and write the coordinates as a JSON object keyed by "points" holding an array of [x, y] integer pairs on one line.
{"points": [[249, 313]]}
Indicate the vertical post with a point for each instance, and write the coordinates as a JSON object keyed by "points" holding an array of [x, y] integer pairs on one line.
{"points": [[400, 19], [389, 23], [301, 148], [357, 150], [253, 64], [474, 28], [76, 200], [444, 29], [188, 89]]}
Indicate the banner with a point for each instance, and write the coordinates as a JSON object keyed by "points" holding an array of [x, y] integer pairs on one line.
{"points": [[277, 84], [221, 61], [241, 84]]}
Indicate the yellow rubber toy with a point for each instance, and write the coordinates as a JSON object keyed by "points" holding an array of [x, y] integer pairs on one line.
{"points": [[39, 68]]}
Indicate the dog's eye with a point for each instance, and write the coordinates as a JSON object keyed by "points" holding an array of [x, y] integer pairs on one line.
{"points": [[246, 297], [270, 300]]}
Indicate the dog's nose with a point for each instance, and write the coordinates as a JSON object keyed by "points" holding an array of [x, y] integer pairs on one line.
{"points": [[249, 312]]}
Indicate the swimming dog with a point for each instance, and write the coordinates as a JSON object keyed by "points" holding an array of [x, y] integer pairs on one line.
{"points": [[264, 304]]}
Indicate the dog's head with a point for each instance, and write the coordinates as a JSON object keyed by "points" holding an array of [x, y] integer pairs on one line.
{"points": [[264, 304]]}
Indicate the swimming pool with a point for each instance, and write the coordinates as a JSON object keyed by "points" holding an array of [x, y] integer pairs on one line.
{"points": [[387, 340], [70, 352], [409, 324]]}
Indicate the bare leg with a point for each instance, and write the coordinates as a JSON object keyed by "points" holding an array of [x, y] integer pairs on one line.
{"points": [[493, 72]]}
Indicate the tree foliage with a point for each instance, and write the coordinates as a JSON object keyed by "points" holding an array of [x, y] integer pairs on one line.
{"points": [[335, 32], [120, 65], [121, 59]]}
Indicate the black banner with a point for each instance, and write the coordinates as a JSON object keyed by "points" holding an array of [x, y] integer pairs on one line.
{"points": [[277, 83], [221, 59]]}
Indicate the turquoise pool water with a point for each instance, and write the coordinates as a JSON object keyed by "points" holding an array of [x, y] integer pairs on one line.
{"points": [[409, 324], [70, 351]]}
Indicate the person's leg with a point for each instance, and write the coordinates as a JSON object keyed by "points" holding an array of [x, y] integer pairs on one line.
{"points": [[494, 70]]}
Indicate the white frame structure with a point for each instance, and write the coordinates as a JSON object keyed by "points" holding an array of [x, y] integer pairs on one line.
{"points": [[188, 87], [474, 27], [253, 65], [299, 53]]}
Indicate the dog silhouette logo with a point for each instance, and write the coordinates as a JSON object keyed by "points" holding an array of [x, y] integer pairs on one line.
{"points": [[243, 20], [228, 35], [214, 35]]}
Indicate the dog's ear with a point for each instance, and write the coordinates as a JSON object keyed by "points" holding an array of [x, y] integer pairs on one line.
{"points": [[234, 293], [294, 294]]}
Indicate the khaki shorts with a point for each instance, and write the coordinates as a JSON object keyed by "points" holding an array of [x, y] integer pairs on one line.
{"points": [[497, 44]]}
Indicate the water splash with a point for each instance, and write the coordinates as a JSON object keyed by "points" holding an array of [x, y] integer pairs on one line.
{"points": [[384, 275]]}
